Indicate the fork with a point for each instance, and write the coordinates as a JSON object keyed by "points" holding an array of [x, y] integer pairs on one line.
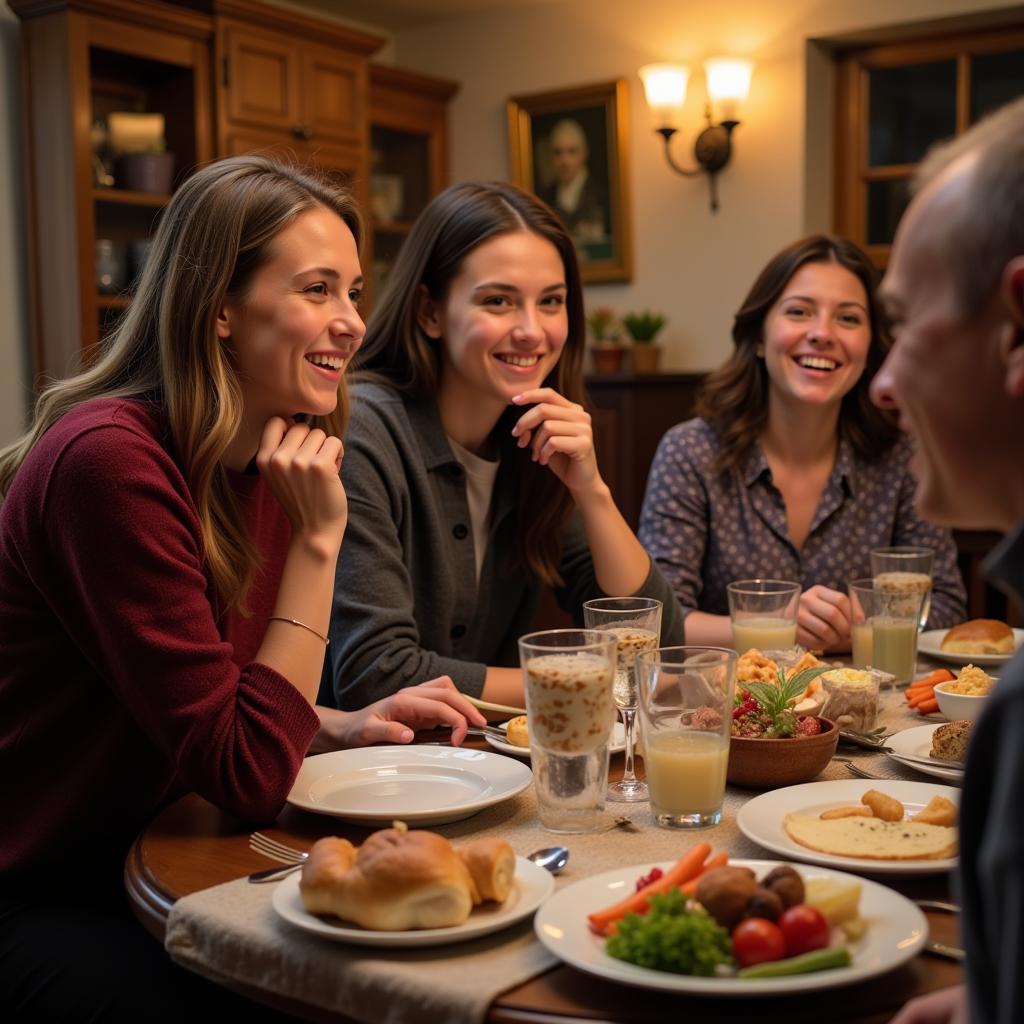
{"points": [[289, 856], [855, 769]]}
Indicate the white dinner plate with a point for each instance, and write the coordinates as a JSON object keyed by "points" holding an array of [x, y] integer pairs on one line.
{"points": [[532, 886], [760, 819], [917, 742], [896, 932], [618, 743], [420, 785], [928, 643]]}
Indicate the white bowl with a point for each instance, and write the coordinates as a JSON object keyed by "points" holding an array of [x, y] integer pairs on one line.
{"points": [[959, 706]]}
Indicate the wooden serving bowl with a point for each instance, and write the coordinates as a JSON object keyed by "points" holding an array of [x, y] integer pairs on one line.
{"points": [[768, 764]]}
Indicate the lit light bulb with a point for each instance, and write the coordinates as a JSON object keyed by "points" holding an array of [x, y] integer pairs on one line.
{"points": [[665, 88]]}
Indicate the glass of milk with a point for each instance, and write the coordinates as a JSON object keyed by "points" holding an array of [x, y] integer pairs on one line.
{"points": [[686, 699], [568, 676], [908, 571], [763, 614]]}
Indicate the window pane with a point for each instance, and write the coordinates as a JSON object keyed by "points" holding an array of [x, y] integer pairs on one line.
{"points": [[886, 202], [909, 109], [996, 78]]}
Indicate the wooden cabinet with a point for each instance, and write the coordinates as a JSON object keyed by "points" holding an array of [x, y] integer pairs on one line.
{"points": [[409, 156], [84, 60], [293, 85]]}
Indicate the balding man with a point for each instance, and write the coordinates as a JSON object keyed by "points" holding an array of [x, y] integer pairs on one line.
{"points": [[579, 200], [955, 293]]}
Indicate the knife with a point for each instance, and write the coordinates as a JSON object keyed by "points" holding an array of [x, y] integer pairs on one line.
{"points": [[273, 874], [871, 743]]}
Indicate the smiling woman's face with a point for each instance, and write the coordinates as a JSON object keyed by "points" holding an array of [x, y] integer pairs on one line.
{"points": [[503, 323], [817, 335], [294, 332]]}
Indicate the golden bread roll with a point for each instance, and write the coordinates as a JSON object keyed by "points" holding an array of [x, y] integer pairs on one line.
{"points": [[979, 636], [492, 866], [517, 732], [398, 880]]}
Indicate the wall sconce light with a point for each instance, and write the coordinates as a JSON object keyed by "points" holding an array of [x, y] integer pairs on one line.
{"points": [[728, 82]]}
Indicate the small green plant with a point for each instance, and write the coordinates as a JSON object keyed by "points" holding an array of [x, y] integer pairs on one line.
{"points": [[643, 327], [600, 320]]}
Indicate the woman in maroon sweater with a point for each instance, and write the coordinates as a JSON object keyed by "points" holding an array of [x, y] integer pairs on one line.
{"points": [[168, 539]]}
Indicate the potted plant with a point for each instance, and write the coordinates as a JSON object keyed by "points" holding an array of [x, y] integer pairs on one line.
{"points": [[608, 351], [643, 328]]}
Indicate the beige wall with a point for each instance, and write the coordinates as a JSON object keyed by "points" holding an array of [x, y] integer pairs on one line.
{"points": [[693, 265], [14, 390]]}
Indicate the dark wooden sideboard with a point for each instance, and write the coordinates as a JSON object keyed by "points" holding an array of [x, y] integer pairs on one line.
{"points": [[631, 414]]}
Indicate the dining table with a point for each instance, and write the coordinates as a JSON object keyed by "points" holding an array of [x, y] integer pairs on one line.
{"points": [[193, 851]]}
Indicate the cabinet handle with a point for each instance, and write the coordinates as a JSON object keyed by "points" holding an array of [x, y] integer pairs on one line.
{"points": [[300, 131]]}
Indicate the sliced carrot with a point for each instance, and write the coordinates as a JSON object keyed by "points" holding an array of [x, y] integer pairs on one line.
{"points": [[718, 861], [918, 687], [920, 698], [940, 675], [682, 871], [926, 707]]}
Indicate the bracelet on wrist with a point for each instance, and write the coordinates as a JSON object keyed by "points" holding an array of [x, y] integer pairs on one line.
{"points": [[302, 625]]}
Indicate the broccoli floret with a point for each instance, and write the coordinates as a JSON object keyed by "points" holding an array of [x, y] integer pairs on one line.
{"points": [[671, 937]]}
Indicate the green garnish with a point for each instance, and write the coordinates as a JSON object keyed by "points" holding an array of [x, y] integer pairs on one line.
{"points": [[777, 700], [671, 937]]}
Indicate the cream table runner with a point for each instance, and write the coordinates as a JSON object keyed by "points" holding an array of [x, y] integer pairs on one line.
{"points": [[231, 932]]}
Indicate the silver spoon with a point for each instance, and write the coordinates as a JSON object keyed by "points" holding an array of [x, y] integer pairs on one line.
{"points": [[554, 858]]}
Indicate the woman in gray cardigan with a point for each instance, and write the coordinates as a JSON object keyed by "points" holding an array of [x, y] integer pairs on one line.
{"points": [[469, 460]]}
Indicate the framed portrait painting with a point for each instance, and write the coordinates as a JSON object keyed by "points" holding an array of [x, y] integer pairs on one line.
{"points": [[569, 148]]}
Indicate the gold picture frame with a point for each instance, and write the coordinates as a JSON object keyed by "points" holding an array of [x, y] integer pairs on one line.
{"points": [[570, 148]]}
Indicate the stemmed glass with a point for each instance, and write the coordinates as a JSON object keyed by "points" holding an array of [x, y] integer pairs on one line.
{"points": [[636, 624]]}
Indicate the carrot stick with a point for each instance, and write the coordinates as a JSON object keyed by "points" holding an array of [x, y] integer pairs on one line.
{"points": [[925, 693], [718, 861], [682, 871], [926, 707], [918, 687]]}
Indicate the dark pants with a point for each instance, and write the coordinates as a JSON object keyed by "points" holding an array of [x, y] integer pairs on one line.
{"points": [[71, 955]]}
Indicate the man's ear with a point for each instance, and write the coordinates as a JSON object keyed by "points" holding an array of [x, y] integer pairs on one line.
{"points": [[1012, 341], [427, 313]]}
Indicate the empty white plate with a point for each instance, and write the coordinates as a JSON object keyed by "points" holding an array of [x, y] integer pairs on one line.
{"points": [[420, 785]]}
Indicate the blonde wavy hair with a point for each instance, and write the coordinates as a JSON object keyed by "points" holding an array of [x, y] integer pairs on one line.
{"points": [[215, 234]]}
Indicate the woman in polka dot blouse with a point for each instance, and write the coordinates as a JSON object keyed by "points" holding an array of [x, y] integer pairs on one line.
{"points": [[790, 471]]}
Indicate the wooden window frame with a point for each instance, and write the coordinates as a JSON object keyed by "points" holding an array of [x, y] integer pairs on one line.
{"points": [[853, 67]]}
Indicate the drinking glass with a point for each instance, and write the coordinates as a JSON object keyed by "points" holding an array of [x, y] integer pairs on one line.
{"points": [[686, 698], [905, 570], [567, 677], [636, 623], [763, 613], [885, 627]]}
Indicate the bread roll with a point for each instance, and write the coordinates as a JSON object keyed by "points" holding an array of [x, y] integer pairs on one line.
{"points": [[979, 636], [492, 866], [517, 731], [396, 881]]}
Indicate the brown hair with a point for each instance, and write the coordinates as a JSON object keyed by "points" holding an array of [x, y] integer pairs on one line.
{"points": [[396, 349], [215, 233], [987, 227], [734, 399]]}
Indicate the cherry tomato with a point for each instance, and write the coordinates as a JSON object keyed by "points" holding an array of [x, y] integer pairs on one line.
{"points": [[805, 929], [756, 941]]}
